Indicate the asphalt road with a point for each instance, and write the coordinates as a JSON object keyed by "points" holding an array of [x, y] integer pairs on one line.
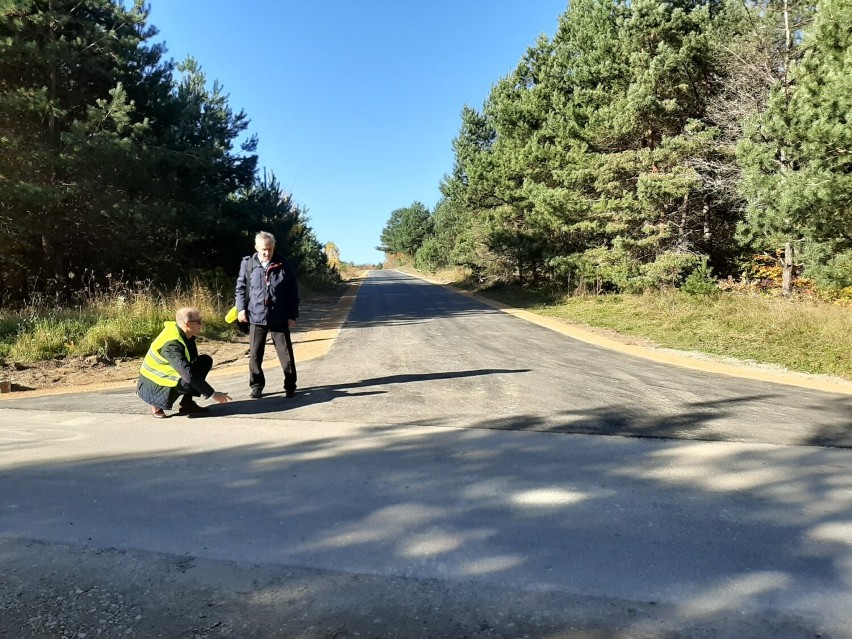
{"points": [[442, 440]]}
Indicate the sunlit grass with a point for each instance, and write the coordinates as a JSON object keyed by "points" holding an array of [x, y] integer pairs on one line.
{"points": [[109, 323]]}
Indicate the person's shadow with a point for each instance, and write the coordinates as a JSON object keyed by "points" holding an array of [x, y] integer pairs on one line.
{"points": [[276, 401]]}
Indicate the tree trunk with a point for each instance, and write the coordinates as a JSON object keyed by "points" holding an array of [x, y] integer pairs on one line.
{"points": [[787, 274], [788, 46], [681, 227], [53, 262]]}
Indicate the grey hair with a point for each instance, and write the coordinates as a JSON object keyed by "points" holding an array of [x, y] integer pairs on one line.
{"points": [[186, 313], [266, 238]]}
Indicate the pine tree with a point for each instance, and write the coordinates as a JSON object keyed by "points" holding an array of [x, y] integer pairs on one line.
{"points": [[821, 105], [768, 152], [67, 125], [406, 230]]}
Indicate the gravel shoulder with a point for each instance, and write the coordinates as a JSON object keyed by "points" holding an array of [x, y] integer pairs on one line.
{"points": [[67, 592]]}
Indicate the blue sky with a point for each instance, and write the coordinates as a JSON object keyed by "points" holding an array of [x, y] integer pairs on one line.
{"points": [[355, 102]]}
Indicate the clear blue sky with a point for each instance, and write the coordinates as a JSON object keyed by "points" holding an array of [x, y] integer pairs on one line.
{"points": [[355, 102]]}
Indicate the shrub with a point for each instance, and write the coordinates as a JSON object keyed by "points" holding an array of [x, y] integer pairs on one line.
{"points": [[700, 281], [430, 256], [670, 269]]}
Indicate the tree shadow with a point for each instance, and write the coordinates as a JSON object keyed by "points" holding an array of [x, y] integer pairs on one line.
{"points": [[688, 535], [329, 392], [697, 421], [272, 402]]}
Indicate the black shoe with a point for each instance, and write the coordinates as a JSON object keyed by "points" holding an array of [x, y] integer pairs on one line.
{"points": [[289, 393], [191, 408], [256, 393]]}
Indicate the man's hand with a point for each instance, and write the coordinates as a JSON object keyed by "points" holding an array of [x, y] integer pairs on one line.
{"points": [[241, 317], [291, 323], [221, 398]]}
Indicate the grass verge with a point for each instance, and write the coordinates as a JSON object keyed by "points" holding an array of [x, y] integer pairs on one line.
{"points": [[109, 324], [120, 322]]}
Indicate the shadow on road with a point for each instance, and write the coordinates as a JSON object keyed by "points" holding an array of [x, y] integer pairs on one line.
{"points": [[589, 525], [329, 392], [694, 422]]}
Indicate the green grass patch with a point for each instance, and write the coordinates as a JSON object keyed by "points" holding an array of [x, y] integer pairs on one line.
{"points": [[118, 324]]}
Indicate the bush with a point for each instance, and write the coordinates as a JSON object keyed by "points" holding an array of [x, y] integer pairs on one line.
{"points": [[701, 281], [430, 256], [596, 270], [670, 269]]}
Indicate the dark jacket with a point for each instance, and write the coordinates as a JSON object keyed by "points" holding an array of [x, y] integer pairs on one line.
{"points": [[272, 294], [164, 396]]}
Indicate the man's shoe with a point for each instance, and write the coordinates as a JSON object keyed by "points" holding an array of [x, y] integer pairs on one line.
{"points": [[191, 408], [157, 412], [256, 393], [289, 393]]}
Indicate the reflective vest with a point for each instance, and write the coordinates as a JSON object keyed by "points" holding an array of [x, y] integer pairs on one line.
{"points": [[156, 367]]}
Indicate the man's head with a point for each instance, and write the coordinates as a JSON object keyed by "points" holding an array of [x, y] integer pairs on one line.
{"points": [[189, 320], [264, 244]]}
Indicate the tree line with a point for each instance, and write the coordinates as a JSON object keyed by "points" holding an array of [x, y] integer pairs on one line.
{"points": [[118, 162], [648, 142]]}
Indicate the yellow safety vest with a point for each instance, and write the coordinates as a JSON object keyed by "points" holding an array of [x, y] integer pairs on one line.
{"points": [[156, 367]]}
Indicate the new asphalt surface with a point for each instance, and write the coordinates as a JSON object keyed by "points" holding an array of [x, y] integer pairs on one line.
{"points": [[446, 442]]}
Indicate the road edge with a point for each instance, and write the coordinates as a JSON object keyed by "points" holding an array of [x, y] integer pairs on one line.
{"points": [[704, 363]]}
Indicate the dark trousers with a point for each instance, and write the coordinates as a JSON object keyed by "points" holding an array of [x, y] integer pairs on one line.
{"points": [[283, 347], [200, 368]]}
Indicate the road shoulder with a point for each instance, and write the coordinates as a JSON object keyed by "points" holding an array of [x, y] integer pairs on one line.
{"points": [[632, 346]]}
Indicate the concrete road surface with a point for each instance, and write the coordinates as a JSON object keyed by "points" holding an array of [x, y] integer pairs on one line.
{"points": [[443, 446]]}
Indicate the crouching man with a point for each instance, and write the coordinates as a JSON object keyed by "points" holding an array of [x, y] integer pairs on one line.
{"points": [[173, 368]]}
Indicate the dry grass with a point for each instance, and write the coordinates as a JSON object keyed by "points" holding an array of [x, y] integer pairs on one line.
{"points": [[114, 322]]}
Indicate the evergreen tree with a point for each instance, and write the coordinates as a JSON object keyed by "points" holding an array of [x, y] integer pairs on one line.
{"points": [[109, 164], [406, 230], [67, 127], [199, 182], [768, 153], [629, 84], [821, 104]]}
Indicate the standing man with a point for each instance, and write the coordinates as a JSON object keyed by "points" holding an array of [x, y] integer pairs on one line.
{"points": [[268, 300], [173, 368]]}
